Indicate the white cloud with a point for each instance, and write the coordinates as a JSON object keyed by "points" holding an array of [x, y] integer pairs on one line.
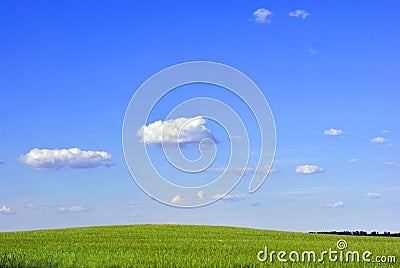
{"points": [[354, 160], [262, 15], [200, 194], [57, 158], [6, 210], [133, 215], [385, 131], [31, 206], [333, 132], [309, 169], [336, 204], [72, 209], [379, 139], [179, 130], [178, 199], [299, 13], [374, 195]]}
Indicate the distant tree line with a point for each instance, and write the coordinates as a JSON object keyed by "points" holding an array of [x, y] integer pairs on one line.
{"points": [[359, 233]]}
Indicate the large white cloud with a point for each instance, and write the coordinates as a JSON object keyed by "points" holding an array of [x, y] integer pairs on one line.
{"points": [[299, 13], [179, 130], [73, 158], [262, 15], [333, 132], [309, 169]]}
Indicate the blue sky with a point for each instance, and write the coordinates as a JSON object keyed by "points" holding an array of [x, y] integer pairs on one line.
{"points": [[69, 69]]}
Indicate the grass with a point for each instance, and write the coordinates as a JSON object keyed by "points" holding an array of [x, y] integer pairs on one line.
{"points": [[175, 246]]}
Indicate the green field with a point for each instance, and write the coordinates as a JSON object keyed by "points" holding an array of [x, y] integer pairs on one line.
{"points": [[177, 246]]}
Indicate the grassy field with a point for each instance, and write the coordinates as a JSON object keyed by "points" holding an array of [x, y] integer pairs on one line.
{"points": [[177, 246]]}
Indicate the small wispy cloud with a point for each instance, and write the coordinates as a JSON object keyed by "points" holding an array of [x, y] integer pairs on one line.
{"points": [[216, 196], [262, 15], [294, 192], [354, 160], [309, 169], [72, 209], [312, 51], [135, 203], [231, 197], [235, 138], [333, 132], [200, 195], [262, 169], [5, 210], [336, 204], [385, 131], [379, 139], [299, 13], [235, 197], [374, 195], [178, 199], [392, 163], [31, 206]]}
